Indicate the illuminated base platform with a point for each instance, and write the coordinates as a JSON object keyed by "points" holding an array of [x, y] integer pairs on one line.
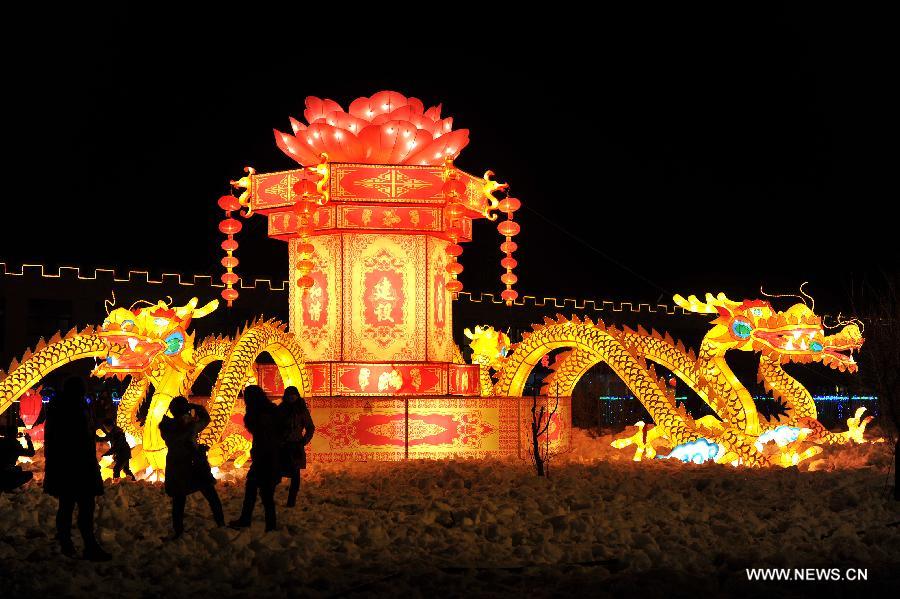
{"points": [[358, 429], [379, 428], [402, 423]]}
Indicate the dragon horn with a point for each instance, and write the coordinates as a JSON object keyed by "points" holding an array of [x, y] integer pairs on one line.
{"points": [[209, 307], [187, 310], [692, 304], [721, 298]]}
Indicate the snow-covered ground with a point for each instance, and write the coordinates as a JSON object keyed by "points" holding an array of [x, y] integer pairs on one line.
{"points": [[600, 524]]}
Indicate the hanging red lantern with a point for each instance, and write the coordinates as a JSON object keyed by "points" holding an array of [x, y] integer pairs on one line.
{"points": [[454, 190], [455, 268], [306, 206], [509, 296], [229, 226], [508, 229]]}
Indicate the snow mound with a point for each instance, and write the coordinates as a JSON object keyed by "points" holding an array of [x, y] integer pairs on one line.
{"points": [[476, 527]]}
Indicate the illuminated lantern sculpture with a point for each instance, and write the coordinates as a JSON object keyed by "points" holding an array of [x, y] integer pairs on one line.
{"points": [[374, 223]]}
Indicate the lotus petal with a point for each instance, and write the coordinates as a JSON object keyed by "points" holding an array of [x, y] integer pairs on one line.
{"points": [[341, 145], [346, 121], [389, 143], [382, 102], [421, 122], [448, 145], [416, 105], [317, 109], [296, 149], [404, 113], [296, 125], [386, 128], [446, 125]]}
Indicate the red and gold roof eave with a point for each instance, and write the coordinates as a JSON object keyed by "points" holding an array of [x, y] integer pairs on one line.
{"points": [[370, 197]]}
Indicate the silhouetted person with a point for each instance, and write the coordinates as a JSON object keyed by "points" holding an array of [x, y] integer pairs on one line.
{"points": [[12, 476], [72, 473], [261, 420], [187, 467], [294, 416], [120, 451]]}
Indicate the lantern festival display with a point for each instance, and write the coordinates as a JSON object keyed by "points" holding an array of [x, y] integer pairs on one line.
{"points": [[373, 220]]}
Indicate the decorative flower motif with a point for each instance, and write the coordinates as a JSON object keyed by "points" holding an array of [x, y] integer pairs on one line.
{"points": [[387, 128]]}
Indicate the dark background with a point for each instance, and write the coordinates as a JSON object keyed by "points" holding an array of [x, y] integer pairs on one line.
{"points": [[656, 152]]}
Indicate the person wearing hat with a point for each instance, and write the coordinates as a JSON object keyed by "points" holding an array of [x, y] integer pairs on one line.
{"points": [[187, 468]]}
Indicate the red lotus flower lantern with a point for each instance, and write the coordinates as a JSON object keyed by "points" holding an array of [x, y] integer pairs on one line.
{"points": [[229, 226], [387, 128]]}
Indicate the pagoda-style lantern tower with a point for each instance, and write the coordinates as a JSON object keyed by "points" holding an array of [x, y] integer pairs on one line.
{"points": [[373, 223]]}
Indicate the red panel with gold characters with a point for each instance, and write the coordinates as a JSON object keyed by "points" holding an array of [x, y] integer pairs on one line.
{"points": [[368, 183], [464, 427], [283, 224], [389, 379], [384, 293], [274, 190], [356, 429], [439, 336], [316, 318], [463, 379], [369, 428], [387, 183], [373, 217], [321, 378]]}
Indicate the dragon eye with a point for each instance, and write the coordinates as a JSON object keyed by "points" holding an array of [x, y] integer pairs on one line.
{"points": [[741, 328], [127, 325], [174, 343], [815, 346]]}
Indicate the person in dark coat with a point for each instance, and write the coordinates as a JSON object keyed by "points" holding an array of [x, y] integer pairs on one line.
{"points": [[294, 416], [12, 476], [187, 468], [261, 420], [71, 471], [120, 450]]}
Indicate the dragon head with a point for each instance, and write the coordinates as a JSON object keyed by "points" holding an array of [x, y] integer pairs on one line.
{"points": [[138, 338], [838, 349], [794, 335], [489, 347]]}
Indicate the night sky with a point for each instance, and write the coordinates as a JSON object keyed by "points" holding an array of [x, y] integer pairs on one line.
{"points": [[654, 153]]}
